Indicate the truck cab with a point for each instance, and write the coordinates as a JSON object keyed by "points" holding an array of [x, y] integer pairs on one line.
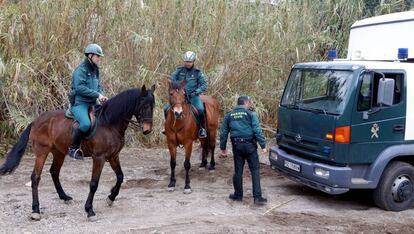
{"points": [[349, 124]]}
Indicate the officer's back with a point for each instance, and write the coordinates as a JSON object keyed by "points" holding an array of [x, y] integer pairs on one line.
{"points": [[245, 132]]}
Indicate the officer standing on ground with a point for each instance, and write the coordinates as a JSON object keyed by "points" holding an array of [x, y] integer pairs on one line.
{"points": [[245, 131]]}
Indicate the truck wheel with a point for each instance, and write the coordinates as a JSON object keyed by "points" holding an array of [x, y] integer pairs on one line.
{"points": [[395, 190]]}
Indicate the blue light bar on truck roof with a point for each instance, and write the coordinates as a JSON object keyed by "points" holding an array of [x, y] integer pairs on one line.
{"points": [[331, 55], [402, 53]]}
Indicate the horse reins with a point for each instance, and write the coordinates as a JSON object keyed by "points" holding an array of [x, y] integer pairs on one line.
{"points": [[137, 125]]}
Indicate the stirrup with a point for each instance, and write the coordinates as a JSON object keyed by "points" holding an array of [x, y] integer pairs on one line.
{"points": [[75, 154], [80, 151], [202, 133]]}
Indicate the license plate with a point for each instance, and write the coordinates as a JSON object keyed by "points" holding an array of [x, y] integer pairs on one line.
{"points": [[292, 166]]}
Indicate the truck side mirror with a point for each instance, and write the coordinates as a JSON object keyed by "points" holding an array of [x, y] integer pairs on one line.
{"points": [[386, 91]]}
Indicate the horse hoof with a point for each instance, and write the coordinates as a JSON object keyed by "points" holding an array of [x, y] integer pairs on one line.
{"points": [[109, 202], [92, 219], [170, 189], [201, 168], [35, 216], [187, 191], [68, 202], [212, 170]]}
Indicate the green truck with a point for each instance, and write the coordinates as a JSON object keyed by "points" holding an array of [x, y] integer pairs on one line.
{"points": [[349, 123]]}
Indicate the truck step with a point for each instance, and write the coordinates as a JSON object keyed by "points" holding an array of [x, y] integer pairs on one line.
{"points": [[359, 181]]}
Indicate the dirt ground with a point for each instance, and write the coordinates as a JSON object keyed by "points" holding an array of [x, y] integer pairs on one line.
{"points": [[145, 206]]}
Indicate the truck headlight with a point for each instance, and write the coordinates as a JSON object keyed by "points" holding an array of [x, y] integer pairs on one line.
{"points": [[273, 155], [321, 172]]}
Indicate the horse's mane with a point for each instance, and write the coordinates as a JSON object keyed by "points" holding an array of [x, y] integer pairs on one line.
{"points": [[120, 106]]}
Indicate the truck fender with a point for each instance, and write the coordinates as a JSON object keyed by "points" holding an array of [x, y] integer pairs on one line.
{"points": [[376, 169]]}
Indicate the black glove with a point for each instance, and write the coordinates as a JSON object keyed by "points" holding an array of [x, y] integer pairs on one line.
{"points": [[71, 96]]}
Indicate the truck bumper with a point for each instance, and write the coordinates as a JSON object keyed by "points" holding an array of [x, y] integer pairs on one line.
{"points": [[301, 170]]}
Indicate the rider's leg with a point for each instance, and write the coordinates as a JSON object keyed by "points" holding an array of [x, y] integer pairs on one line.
{"points": [[165, 109], [198, 104], [82, 116]]}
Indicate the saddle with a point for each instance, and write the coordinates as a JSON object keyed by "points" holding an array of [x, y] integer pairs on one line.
{"points": [[92, 111]]}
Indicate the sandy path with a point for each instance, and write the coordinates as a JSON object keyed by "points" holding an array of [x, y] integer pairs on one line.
{"points": [[144, 205]]}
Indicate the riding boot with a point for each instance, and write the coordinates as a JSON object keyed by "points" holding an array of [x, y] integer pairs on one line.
{"points": [[74, 148], [202, 133]]}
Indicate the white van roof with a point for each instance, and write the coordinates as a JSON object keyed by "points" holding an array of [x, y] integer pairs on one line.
{"points": [[383, 19], [355, 64], [380, 37]]}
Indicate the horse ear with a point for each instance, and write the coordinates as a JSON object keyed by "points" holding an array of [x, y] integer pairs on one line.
{"points": [[153, 88], [169, 83], [143, 91]]}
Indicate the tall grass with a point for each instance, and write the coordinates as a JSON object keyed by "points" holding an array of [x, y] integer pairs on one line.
{"points": [[243, 47]]}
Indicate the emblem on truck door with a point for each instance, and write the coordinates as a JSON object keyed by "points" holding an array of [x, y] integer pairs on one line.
{"points": [[374, 130], [298, 138]]}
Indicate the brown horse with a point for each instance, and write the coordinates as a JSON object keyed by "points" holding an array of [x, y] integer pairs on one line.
{"points": [[181, 129], [51, 132]]}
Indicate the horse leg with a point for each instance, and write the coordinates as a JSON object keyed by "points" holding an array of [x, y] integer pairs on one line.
{"points": [[41, 153], [212, 161], [204, 154], [116, 166], [212, 147], [58, 159], [97, 164], [173, 155], [187, 165]]}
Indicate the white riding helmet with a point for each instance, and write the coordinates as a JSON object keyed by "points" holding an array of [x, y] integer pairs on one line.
{"points": [[93, 49], [189, 56]]}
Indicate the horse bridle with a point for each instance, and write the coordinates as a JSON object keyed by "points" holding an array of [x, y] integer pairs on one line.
{"points": [[178, 103], [138, 124]]}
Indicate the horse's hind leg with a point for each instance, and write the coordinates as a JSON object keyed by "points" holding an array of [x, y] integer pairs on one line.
{"points": [[58, 159], [98, 164], [116, 166], [212, 147], [212, 161], [41, 153], [204, 154]]}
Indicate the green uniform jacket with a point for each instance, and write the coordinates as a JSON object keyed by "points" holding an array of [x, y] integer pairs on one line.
{"points": [[243, 123], [85, 83], [194, 78]]}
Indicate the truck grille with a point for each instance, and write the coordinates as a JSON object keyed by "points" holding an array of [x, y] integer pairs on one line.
{"points": [[303, 144]]}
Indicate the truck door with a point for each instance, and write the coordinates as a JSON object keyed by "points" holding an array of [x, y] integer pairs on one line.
{"points": [[376, 127]]}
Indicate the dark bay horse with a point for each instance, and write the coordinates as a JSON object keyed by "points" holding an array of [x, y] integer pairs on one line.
{"points": [[51, 132], [181, 129]]}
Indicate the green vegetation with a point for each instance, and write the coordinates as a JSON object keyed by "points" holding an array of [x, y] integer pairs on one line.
{"points": [[243, 47]]}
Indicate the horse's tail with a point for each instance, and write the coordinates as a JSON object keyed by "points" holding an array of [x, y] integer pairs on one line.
{"points": [[15, 155]]}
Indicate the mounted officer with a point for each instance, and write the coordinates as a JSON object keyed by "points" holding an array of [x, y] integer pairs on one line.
{"points": [[85, 89], [195, 85], [245, 131]]}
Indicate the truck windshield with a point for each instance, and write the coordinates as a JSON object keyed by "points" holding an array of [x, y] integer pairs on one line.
{"points": [[317, 90]]}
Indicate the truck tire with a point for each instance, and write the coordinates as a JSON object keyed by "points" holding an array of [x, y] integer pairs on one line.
{"points": [[395, 190]]}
